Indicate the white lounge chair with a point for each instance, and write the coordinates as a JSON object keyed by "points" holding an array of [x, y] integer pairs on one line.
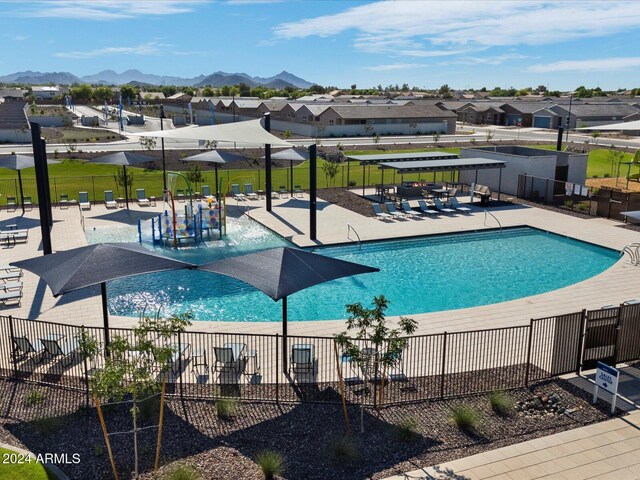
{"points": [[11, 286], [64, 201], [377, 209], [406, 208], [237, 194], [83, 201], [248, 191], [424, 208], [109, 201], [11, 276], [391, 208], [13, 297], [142, 199], [459, 208], [27, 202], [206, 191], [442, 208]]}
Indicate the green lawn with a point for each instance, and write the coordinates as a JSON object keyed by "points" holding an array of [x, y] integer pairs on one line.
{"points": [[600, 164], [22, 471]]}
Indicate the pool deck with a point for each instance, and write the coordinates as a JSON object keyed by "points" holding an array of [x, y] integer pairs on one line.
{"points": [[290, 219]]}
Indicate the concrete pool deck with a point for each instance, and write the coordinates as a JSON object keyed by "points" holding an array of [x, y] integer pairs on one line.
{"points": [[290, 219]]}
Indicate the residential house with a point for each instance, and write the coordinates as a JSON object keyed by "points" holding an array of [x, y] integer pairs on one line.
{"points": [[481, 113], [14, 124], [45, 92]]}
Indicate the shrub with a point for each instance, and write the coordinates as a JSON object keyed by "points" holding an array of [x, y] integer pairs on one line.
{"points": [[407, 429], [226, 407], [606, 175], [271, 463], [98, 450], [465, 418], [501, 403], [47, 425], [34, 397], [343, 450], [181, 472], [352, 183]]}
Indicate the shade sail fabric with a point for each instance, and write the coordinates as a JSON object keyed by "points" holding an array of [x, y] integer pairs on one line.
{"points": [[291, 154], [20, 162], [281, 271], [94, 264], [250, 131], [124, 158], [635, 125], [215, 156]]}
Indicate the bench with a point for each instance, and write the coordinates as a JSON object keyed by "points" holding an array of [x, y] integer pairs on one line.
{"points": [[484, 193]]}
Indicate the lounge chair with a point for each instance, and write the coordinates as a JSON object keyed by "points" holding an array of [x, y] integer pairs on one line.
{"points": [[282, 190], [391, 208], [83, 201], [109, 201], [406, 208], [424, 208], [11, 237], [12, 204], [64, 201], [248, 191], [11, 276], [175, 361], [180, 195], [10, 268], [27, 202], [228, 357], [206, 191], [13, 297], [438, 203], [22, 347], [142, 199], [237, 194], [11, 286], [377, 208], [297, 191], [53, 348], [458, 208], [302, 358]]}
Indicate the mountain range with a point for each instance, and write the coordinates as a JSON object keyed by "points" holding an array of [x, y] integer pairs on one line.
{"points": [[109, 77]]}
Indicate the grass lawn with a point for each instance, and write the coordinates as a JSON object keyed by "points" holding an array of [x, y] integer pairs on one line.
{"points": [[22, 471]]}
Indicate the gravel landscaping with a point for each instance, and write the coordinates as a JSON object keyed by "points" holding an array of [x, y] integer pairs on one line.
{"points": [[308, 435]]}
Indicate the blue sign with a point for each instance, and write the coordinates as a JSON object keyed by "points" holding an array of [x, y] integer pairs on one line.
{"points": [[607, 377]]}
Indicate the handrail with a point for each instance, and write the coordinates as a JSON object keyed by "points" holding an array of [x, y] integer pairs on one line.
{"points": [[486, 212], [81, 218], [633, 249], [349, 228]]}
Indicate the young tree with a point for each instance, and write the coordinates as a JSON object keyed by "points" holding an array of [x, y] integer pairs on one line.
{"points": [[370, 344], [330, 169], [614, 157], [194, 175]]}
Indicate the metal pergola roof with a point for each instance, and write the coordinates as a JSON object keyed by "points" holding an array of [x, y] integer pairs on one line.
{"points": [[400, 157], [442, 165]]}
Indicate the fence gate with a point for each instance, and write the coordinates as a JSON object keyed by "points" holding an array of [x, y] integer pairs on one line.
{"points": [[601, 337]]}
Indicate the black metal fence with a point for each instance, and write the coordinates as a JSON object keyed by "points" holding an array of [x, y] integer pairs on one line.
{"points": [[431, 366]]}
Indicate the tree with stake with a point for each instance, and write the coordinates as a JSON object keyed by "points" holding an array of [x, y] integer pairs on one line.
{"points": [[375, 346]]}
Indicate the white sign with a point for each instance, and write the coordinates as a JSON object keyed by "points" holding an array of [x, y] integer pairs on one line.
{"points": [[607, 379]]}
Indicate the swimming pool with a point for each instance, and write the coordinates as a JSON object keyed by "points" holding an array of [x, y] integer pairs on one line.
{"points": [[417, 275]]}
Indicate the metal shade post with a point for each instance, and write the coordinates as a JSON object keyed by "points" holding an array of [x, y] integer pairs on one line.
{"points": [[21, 192], [284, 334], [313, 205], [267, 163], [164, 167], [105, 318]]}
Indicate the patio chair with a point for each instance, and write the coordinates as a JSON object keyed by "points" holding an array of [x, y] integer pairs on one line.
{"points": [[458, 208], [406, 208], [109, 201], [237, 194], [391, 208], [297, 191], [11, 298], [180, 196], [228, 358], [438, 203], [12, 275], [275, 194], [206, 191], [282, 190], [424, 208], [142, 199], [28, 203], [83, 201], [248, 191], [11, 286], [22, 347], [12, 204], [377, 209], [302, 358], [175, 361], [64, 201], [53, 348]]}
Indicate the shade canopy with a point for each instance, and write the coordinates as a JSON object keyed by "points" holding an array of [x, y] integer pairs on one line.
{"points": [[250, 132], [215, 156], [127, 159], [82, 267], [635, 125], [294, 154], [20, 162], [281, 271]]}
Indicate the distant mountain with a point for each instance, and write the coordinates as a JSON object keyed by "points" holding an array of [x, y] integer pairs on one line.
{"points": [[110, 77]]}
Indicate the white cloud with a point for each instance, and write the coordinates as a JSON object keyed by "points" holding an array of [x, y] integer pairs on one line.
{"points": [[106, 9], [17, 38], [396, 27], [489, 60], [151, 48], [592, 65], [251, 2], [395, 66]]}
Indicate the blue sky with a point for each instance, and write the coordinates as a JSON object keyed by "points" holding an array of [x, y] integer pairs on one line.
{"points": [[466, 44]]}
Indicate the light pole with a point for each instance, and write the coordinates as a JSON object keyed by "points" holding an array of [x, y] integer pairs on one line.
{"points": [[164, 167]]}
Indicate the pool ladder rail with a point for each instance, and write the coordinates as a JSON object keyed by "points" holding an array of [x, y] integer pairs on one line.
{"points": [[633, 249], [487, 212], [351, 229]]}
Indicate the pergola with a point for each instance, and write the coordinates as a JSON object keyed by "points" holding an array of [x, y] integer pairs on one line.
{"points": [[443, 165]]}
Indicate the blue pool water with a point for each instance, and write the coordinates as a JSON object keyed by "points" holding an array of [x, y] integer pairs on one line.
{"points": [[417, 275]]}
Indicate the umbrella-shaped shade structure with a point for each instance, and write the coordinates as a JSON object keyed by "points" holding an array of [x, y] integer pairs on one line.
{"points": [[293, 155], [20, 162], [82, 267], [126, 159], [281, 271], [215, 157]]}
